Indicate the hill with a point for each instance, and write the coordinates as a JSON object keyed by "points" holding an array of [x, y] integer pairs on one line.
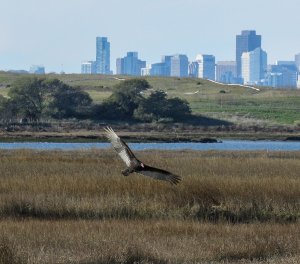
{"points": [[239, 105]]}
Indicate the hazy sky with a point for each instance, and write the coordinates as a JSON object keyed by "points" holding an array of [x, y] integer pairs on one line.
{"points": [[63, 32]]}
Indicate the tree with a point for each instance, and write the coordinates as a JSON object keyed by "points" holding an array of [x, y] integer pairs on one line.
{"points": [[134, 85], [33, 97], [124, 100], [28, 97], [67, 101], [178, 109], [157, 107]]}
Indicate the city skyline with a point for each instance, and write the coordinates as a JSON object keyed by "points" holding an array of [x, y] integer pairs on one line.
{"points": [[60, 34]]}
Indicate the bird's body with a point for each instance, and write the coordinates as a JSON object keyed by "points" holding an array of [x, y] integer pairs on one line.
{"points": [[135, 165]]}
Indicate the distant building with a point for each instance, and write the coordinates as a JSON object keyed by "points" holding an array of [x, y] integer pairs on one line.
{"points": [[130, 64], [179, 65], [88, 67], [273, 79], [283, 74], [207, 66], [297, 61], [171, 65], [226, 71], [159, 69], [166, 59], [146, 71], [246, 42], [37, 69], [254, 66], [102, 56], [287, 63], [193, 69]]}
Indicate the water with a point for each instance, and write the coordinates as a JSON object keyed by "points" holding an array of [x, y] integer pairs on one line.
{"points": [[225, 145]]}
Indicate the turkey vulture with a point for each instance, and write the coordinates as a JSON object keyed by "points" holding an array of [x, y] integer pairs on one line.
{"points": [[135, 165]]}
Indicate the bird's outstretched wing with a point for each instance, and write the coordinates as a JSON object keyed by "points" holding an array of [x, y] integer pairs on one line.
{"points": [[121, 147], [160, 174]]}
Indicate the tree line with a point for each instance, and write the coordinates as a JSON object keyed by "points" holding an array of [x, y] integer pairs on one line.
{"points": [[34, 98]]}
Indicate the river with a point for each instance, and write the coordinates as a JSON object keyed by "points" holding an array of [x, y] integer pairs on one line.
{"points": [[225, 145]]}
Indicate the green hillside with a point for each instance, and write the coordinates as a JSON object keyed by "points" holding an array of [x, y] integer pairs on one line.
{"points": [[234, 103]]}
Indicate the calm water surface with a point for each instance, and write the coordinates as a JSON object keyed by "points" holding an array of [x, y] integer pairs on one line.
{"points": [[225, 145]]}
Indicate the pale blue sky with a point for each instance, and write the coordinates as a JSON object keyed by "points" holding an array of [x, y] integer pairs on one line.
{"points": [[63, 32]]}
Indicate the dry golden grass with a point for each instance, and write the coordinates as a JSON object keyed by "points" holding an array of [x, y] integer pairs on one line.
{"points": [[151, 241], [75, 207]]}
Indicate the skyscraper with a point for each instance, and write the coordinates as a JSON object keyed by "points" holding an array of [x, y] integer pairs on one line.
{"points": [[254, 66], [102, 56], [247, 41], [207, 66], [193, 69], [159, 69], [171, 65], [226, 71], [88, 67], [130, 64], [179, 65], [288, 74]]}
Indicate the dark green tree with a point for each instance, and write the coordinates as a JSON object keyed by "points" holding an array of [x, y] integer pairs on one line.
{"points": [[178, 109], [33, 98], [67, 101], [157, 106], [7, 110], [28, 95], [124, 100]]}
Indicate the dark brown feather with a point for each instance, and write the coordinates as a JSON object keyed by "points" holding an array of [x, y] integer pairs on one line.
{"points": [[135, 165]]}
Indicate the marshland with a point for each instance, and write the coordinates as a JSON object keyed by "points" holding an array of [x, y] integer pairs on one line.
{"points": [[76, 207]]}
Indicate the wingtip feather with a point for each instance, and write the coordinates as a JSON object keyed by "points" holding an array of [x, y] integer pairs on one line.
{"points": [[175, 179]]}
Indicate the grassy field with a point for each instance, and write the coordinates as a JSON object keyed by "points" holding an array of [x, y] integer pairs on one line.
{"points": [[233, 103], [76, 207]]}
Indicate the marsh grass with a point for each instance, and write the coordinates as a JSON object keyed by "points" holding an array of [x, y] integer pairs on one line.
{"points": [[149, 241], [88, 185], [8, 252], [75, 207]]}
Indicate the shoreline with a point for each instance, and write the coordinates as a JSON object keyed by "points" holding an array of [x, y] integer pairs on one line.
{"points": [[145, 137]]}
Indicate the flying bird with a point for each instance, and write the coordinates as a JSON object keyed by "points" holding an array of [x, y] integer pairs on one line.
{"points": [[135, 165]]}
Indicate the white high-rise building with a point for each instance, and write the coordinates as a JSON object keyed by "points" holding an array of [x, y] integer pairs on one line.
{"points": [[254, 66], [207, 66]]}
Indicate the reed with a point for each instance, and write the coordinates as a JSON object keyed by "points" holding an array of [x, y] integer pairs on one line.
{"points": [[150, 241], [76, 207]]}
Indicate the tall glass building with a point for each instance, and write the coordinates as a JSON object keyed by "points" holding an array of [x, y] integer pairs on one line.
{"points": [[207, 66], [102, 56], [171, 65], [130, 64], [226, 71], [179, 65], [254, 66], [246, 42]]}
